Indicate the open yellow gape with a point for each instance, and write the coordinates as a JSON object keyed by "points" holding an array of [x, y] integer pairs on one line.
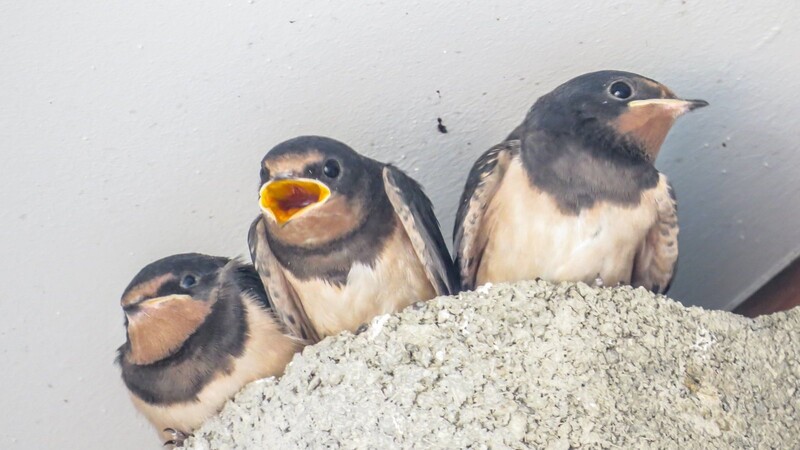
{"points": [[285, 199]]}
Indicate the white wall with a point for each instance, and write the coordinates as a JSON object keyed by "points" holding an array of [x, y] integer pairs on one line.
{"points": [[132, 130]]}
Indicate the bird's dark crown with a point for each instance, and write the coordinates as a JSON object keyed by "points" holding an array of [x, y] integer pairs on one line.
{"points": [[607, 112], [191, 274], [321, 158], [589, 97]]}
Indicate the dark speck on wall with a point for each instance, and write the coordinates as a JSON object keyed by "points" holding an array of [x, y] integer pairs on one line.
{"points": [[440, 126], [724, 144]]}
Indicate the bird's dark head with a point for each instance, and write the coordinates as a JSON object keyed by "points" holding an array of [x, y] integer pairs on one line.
{"points": [[167, 301], [633, 108], [314, 189]]}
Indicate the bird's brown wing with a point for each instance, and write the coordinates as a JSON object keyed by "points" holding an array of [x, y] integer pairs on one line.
{"points": [[657, 258], [284, 298], [415, 211], [482, 183]]}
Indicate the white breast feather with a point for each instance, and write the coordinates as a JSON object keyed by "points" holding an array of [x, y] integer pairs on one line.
{"points": [[392, 284], [531, 238]]}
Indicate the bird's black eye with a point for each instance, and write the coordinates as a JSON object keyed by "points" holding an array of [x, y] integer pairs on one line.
{"points": [[621, 90], [188, 281], [264, 174], [331, 168]]}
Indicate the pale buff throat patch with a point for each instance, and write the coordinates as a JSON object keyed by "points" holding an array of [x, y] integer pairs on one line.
{"points": [[648, 124], [161, 326]]}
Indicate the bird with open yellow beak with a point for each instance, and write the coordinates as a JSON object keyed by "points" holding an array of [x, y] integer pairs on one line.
{"points": [[573, 194], [342, 238]]}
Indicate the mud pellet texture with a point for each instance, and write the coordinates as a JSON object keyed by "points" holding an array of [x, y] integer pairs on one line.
{"points": [[532, 365]]}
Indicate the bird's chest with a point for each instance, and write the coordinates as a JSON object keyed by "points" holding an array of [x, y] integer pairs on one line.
{"points": [[530, 237], [266, 354], [395, 280]]}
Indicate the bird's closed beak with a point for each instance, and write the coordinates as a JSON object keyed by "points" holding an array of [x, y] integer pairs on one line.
{"points": [[150, 305], [286, 198], [675, 106], [649, 121]]}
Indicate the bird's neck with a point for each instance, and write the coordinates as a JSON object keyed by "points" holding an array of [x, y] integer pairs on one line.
{"points": [[333, 259], [210, 349], [580, 169]]}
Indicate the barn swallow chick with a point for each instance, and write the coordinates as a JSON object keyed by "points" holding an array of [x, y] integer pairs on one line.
{"points": [[198, 329], [572, 194], [343, 238]]}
